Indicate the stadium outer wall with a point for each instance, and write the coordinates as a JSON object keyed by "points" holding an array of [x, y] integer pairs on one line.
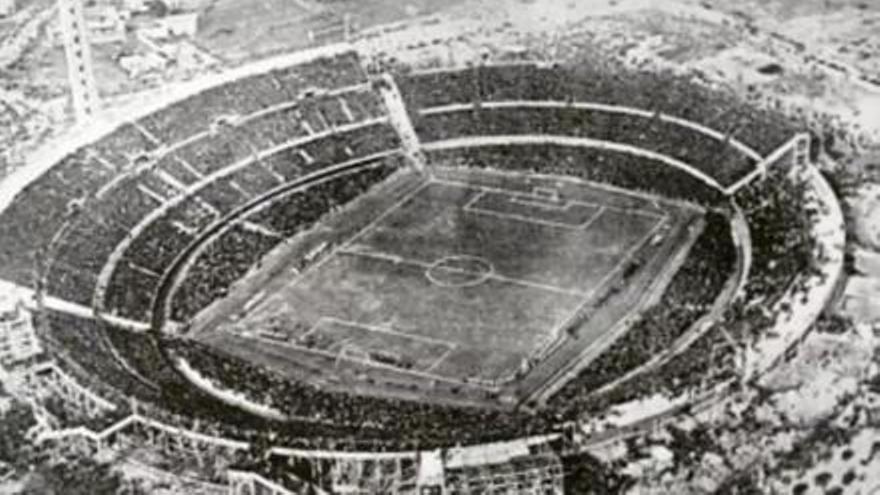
{"points": [[829, 228]]}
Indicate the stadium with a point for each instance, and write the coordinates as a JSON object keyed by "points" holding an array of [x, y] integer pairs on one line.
{"points": [[341, 273]]}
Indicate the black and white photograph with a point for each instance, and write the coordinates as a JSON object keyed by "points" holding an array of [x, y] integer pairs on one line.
{"points": [[422, 247]]}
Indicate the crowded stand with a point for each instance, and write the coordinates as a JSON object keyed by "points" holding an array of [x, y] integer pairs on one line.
{"points": [[331, 112], [288, 163], [594, 164], [130, 291], [310, 115], [156, 247], [255, 180], [322, 419], [176, 170], [155, 186], [238, 249], [83, 353], [689, 296], [70, 284], [780, 255], [41, 209], [223, 194], [216, 151], [318, 419], [715, 158], [86, 244], [182, 120], [123, 145], [364, 105], [228, 258], [136, 275], [366, 422], [672, 94], [125, 204], [243, 232], [272, 129], [712, 358], [342, 147]]}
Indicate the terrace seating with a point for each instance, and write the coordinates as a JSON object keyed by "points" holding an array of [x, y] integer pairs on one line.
{"points": [[609, 83], [82, 348], [688, 297], [130, 291], [778, 216], [379, 422], [155, 249], [37, 212], [382, 423], [321, 419], [214, 152], [87, 244], [619, 169], [195, 114], [711, 156], [779, 221], [71, 285], [224, 261], [122, 145], [126, 204], [237, 250]]}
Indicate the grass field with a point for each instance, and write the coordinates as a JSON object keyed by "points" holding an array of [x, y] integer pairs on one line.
{"points": [[462, 280]]}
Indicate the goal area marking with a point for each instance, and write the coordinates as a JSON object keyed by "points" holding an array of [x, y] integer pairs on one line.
{"points": [[426, 369]]}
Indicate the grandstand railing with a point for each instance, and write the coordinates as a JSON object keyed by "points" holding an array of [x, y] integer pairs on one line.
{"points": [[829, 230], [770, 350], [68, 381], [206, 181], [797, 142], [601, 107], [172, 276], [520, 139], [148, 102]]}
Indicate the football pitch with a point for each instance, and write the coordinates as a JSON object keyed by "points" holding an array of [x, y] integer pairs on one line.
{"points": [[467, 280]]}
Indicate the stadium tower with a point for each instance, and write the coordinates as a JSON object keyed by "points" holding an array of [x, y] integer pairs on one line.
{"points": [[84, 93]]}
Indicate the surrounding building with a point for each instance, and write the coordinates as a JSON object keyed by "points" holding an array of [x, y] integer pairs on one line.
{"points": [[18, 341], [172, 25]]}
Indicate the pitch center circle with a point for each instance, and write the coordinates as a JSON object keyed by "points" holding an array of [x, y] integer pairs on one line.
{"points": [[459, 271]]}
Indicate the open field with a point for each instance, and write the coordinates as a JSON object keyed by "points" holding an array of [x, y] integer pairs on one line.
{"points": [[465, 280], [240, 30]]}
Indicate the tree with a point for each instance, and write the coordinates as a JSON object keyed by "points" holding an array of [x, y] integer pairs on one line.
{"points": [[585, 474], [13, 427], [79, 477]]}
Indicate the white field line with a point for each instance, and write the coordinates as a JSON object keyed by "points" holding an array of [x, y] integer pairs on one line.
{"points": [[484, 188], [443, 357], [379, 329], [469, 207], [345, 245], [373, 364], [644, 196], [391, 209], [608, 276], [393, 258]]}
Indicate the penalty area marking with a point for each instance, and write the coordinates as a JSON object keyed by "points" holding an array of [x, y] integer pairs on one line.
{"points": [[377, 329], [518, 194], [426, 373], [469, 207]]}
